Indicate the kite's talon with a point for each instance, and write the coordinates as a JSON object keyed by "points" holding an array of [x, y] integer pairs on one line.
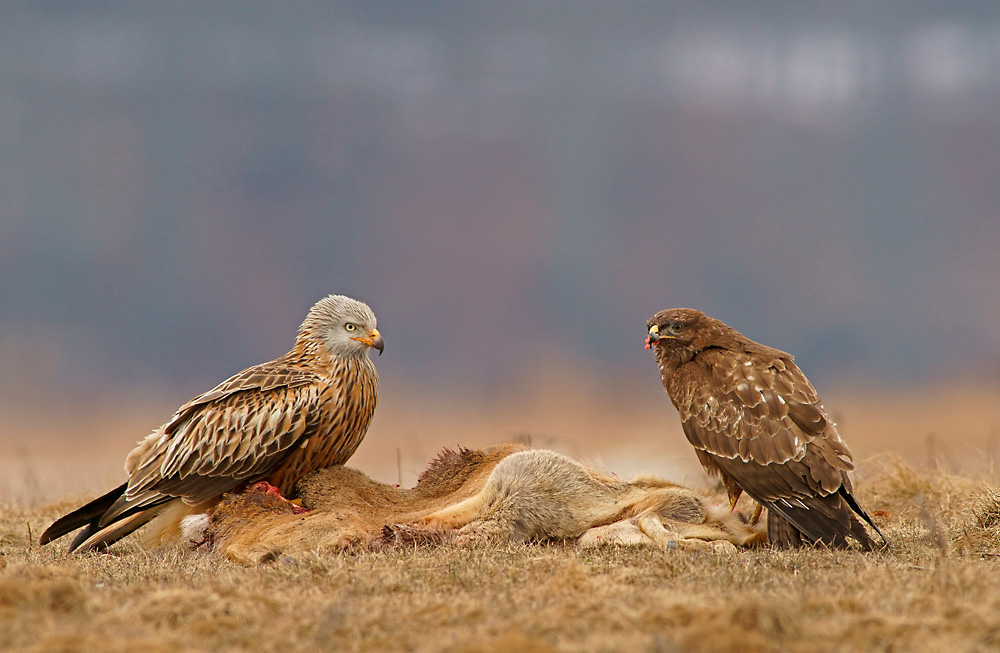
{"points": [[266, 488]]}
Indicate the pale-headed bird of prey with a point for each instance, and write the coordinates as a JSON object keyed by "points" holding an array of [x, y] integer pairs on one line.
{"points": [[274, 422]]}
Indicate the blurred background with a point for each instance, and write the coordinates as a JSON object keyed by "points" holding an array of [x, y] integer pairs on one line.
{"points": [[514, 188]]}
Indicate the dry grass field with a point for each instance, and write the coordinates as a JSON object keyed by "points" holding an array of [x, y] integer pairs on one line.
{"points": [[926, 467]]}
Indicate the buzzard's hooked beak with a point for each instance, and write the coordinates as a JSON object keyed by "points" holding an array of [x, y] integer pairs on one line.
{"points": [[374, 339], [653, 337]]}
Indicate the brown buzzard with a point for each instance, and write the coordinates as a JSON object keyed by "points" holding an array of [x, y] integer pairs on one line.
{"points": [[756, 421], [276, 421]]}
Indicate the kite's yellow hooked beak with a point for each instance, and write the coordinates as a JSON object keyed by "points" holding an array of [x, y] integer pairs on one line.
{"points": [[374, 339], [653, 337]]}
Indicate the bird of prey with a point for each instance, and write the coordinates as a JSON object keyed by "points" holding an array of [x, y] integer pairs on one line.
{"points": [[756, 421], [274, 422]]}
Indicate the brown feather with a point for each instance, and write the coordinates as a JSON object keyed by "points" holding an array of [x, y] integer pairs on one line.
{"points": [[756, 421], [276, 421]]}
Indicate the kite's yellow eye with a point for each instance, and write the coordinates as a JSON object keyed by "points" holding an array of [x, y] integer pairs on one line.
{"points": [[674, 328], [351, 327]]}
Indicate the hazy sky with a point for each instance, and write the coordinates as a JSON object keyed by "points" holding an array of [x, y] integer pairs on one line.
{"points": [[509, 185]]}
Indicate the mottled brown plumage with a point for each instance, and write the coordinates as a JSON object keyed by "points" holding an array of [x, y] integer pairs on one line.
{"points": [[276, 421], [757, 423]]}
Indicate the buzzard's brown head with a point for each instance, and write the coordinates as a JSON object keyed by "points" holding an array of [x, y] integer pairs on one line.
{"points": [[677, 335], [675, 327]]}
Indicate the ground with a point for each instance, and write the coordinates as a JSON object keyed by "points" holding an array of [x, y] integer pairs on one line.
{"points": [[935, 590]]}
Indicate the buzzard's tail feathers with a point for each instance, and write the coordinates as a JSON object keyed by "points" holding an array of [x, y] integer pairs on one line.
{"points": [[858, 510], [780, 532], [830, 520]]}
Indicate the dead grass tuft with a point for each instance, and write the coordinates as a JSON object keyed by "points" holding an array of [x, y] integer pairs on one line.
{"points": [[988, 510]]}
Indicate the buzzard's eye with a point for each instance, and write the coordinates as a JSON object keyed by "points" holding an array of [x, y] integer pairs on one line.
{"points": [[674, 328], [351, 327]]}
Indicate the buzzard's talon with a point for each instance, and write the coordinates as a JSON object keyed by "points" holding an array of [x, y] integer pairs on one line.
{"points": [[734, 497]]}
